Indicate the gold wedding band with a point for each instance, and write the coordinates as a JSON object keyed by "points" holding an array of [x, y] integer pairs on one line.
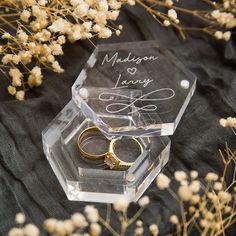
{"points": [[110, 158], [84, 153]]}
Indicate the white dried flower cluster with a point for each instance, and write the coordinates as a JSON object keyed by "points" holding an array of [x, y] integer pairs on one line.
{"points": [[154, 230], [188, 189], [95, 229], [63, 227], [166, 23], [219, 17], [20, 218], [185, 193], [229, 5], [68, 226], [45, 28], [211, 177], [209, 209], [229, 122], [169, 3], [121, 205], [205, 207], [224, 18], [162, 181], [172, 17], [144, 201], [174, 219], [193, 174], [24, 229], [222, 35], [172, 14], [76, 221], [16, 232], [92, 213], [218, 186], [139, 231], [220, 199], [31, 230], [195, 186], [27, 230], [79, 220], [180, 175]]}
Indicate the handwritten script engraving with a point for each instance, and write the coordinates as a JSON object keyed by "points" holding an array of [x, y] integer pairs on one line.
{"points": [[115, 59], [118, 102], [126, 83]]}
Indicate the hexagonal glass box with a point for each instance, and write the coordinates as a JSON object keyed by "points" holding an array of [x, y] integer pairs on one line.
{"points": [[135, 88], [125, 102], [84, 180]]}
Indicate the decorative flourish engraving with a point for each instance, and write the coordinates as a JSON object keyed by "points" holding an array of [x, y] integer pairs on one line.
{"points": [[131, 103]]}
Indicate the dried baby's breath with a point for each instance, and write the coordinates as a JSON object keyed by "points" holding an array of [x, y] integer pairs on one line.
{"points": [[229, 122], [92, 213], [50, 225], [174, 219], [121, 205], [154, 230], [210, 207], [180, 175], [144, 201], [218, 18], [207, 207], [79, 220], [20, 218], [95, 229], [33, 34], [162, 181], [31, 230]]}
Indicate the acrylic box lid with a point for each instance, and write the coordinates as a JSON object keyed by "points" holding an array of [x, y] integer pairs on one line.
{"points": [[134, 89]]}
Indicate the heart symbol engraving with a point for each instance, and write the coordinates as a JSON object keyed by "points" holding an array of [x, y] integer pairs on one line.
{"points": [[132, 71]]}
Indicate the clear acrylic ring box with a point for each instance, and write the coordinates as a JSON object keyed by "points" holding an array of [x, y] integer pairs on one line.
{"points": [[83, 180], [126, 91]]}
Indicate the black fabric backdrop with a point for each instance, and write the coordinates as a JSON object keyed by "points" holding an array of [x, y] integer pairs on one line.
{"points": [[28, 184]]}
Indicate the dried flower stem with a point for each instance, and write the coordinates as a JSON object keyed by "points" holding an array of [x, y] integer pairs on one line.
{"points": [[108, 226], [136, 216], [108, 213], [183, 218]]}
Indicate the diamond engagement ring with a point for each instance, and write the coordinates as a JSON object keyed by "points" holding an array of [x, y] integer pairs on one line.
{"points": [[110, 157]]}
